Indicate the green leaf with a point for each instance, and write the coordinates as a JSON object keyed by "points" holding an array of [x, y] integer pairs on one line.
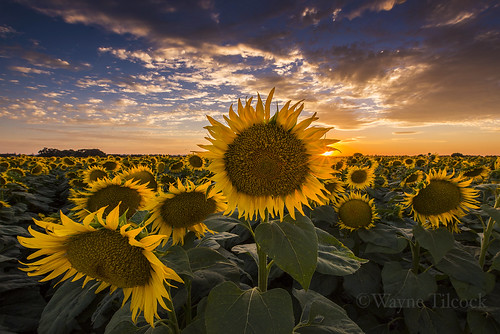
{"points": [[292, 244], [431, 321], [230, 309], [250, 249], [468, 291], [364, 281], [383, 239], [495, 265], [321, 315], [404, 286], [121, 322], [219, 223], [481, 323], [462, 266], [334, 258], [69, 300], [494, 213], [438, 242], [177, 259], [20, 310]]}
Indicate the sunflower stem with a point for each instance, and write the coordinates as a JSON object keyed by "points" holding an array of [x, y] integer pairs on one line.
{"points": [[189, 316], [171, 313], [485, 242], [263, 268], [415, 253]]}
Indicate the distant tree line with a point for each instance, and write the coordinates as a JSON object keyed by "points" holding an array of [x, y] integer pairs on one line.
{"points": [[85, 152]]}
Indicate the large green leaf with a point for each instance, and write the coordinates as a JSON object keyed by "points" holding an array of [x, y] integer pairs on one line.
{"points": [[365, 281], [438, 242], [334, 258], [321, 315], [69, 300], [20, 309], [460, 265], [292, 244], [481, 323], [405, 287], [383, 239], [121, 322], [177, 259], [431, 321], [232, 310], [494, 213]]}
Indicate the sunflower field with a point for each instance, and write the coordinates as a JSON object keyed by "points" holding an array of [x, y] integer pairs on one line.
{"points": [[263, 231]]}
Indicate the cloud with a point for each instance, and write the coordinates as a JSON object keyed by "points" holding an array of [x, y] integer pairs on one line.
{"points": [[28, 70], [404, 132], [373, 5], [6, 31], [39, 59]]}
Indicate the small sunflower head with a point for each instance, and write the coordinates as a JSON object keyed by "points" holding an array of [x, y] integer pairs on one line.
{"points": [[413, 178], [194, 161], [177, 166], [356, 211], [68, 162], [184, 208], [93, 174], [441, 199], [142, 174], [360, 177], [335, 187], [37, 169], [111, 165], [476, 173]]}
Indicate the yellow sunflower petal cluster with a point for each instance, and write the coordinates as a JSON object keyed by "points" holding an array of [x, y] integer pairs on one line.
{"points": [[109, 254], [355, 211], [442, 199], [183, 208], [264, 164]]}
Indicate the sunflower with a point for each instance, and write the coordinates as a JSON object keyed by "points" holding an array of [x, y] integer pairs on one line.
{"points": [[68, 162], [477, 173], [441, 198], [3, 179], [142, 174], [359, 177], [335, 187], [109, 254], [194, 162], [176, 166], [37, 169], [262, 163], [109, 193], [409, 162], [94, 173], [355, 211], [111, 165], [15, 172], [184, 208], [412, 178]]}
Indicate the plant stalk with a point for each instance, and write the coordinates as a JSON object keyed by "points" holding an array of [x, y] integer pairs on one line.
{"points": [[487, 234], [415, 253], [263, 270], [171, 313]]}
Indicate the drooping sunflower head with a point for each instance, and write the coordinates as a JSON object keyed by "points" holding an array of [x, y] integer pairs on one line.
{"points": [[360, 177], [177, 166], [111, 165], [129, 195], [37, 169], [68, 162], [355, 211], [15, 172], [105, 250], [263, 163], [476, 173], [335, 188], [441, 199], [93, 174], [412, 178], [184, 208], [142, 174], [194, 161]]}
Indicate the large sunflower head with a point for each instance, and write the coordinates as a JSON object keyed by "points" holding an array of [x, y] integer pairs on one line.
{"points": [[441, 199], [263, 163], [129, 195], [105, 250], [356, 211], [94, 173], [184, 208], [142, 174], [360, 177]]}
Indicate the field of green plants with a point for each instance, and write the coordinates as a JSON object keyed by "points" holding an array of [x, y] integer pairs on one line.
{"points": [[324, 271]]}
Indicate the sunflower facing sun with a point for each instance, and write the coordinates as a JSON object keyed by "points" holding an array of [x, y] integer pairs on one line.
{"points": [[129, 195], [110, 254], [183, 209], [356, 211], [442, 199], [263, 163]]}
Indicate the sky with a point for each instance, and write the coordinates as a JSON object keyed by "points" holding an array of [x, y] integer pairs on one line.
{"points": [[390, 77]]}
